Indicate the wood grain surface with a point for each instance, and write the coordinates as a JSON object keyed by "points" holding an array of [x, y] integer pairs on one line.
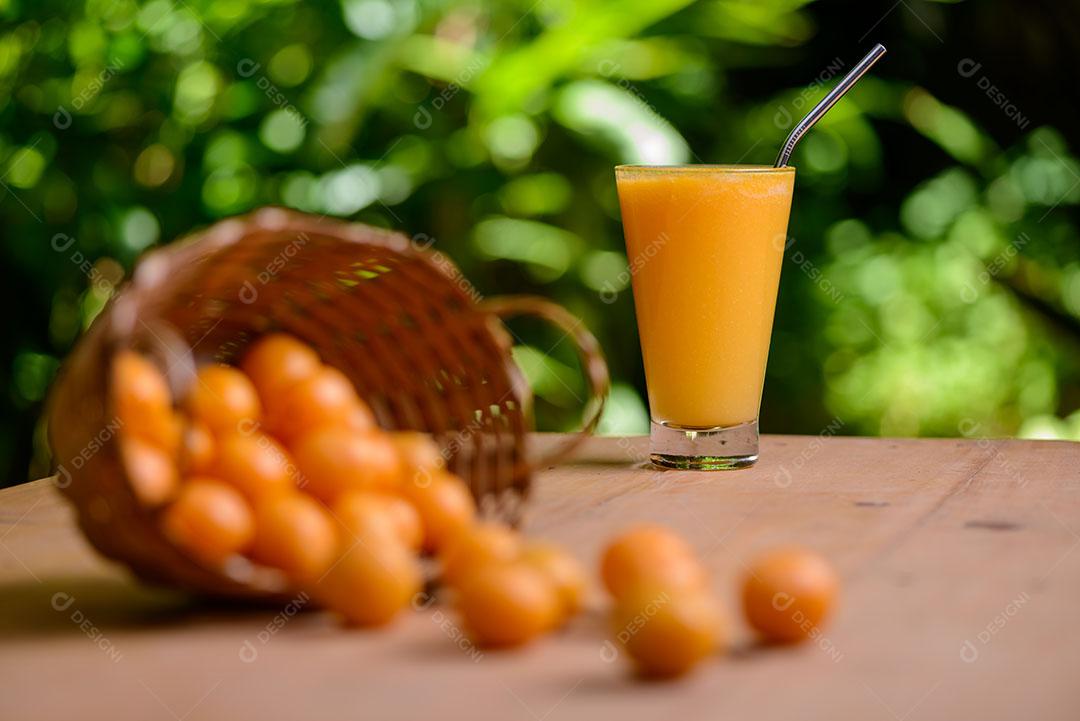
{"points": [[961, 590]]}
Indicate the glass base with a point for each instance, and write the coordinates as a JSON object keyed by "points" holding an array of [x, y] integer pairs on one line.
{"points": [[721, 448]]}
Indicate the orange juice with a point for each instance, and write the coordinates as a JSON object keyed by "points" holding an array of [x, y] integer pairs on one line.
{"points": [[705, 244]]}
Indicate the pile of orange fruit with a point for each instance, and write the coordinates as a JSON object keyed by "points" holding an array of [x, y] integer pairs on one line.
{"points": [[280, 461]]}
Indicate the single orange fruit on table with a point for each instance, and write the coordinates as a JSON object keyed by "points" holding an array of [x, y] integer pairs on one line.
{"points": [[650, 555], [789, 593], [668, 632], [507, 604], [372, 582]]}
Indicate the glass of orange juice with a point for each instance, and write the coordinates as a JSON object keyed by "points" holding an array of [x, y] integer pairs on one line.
{"points": [[705, 244]]}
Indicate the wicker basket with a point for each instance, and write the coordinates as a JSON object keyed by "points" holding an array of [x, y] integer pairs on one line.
{"points": [[400, 321]]}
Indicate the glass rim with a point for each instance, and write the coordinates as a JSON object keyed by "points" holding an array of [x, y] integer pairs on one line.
{"points": [[704, 168]]}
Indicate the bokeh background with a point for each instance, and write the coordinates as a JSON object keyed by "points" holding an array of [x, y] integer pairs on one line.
{"points": [[931, 286]]}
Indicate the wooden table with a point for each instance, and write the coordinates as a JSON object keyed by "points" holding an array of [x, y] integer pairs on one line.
{"points": [[961, 600]]}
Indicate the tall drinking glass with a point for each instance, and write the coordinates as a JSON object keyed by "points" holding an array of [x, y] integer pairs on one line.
{"points": [[705, 244]]}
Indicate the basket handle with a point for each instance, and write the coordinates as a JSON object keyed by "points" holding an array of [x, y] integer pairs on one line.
{"points": [[592, 361]]}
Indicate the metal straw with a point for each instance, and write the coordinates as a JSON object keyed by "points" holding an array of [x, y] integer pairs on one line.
{"points": [[827, 102]]}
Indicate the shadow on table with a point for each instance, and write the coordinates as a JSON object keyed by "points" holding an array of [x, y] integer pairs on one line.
{"points": [[81, 604]]}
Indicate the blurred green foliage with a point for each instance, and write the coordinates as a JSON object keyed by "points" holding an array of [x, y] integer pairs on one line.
{"points": [[933, 281]]}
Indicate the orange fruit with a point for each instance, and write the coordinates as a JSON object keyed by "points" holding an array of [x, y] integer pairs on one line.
{"points": [[142, 401], [406, 519], [563, 571], [197, 448], [256, 465], [650, 555], [371, 582], [150, 471], [789, 593], [224, 399], [295, 533], [326, 398], [363, 512], [665, 632], [445, 505], [360, 418], [507, 604], [475, 546], [137, 382], [277, 361], [333, 460], [420, 456], [210, 520]]}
